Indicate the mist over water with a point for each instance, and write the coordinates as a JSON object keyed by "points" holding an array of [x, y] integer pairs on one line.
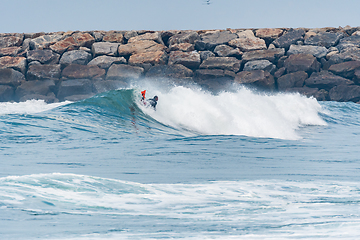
{"points": [[236, 164]]}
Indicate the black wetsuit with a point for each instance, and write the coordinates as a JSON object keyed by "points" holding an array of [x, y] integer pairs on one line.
{"points": [[152, 102]]}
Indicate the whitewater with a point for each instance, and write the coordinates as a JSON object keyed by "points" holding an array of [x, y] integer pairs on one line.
{"points": [[236, 164]]}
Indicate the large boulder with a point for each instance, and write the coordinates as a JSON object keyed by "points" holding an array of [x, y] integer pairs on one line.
{"points": [[176, 71], [106, 61], [9, 76], [349, 42], [67, 44], [75, 87], [212, 39], [75, 57], [316, 51], [326, 80], [6, 93], [227, 51], [11, 41], [248, 43], [345, 93], [158, 57], [185, 47], [77, 71], [225, 63], [43, 56], [324, 39], [37, 87], [114, 37], [345, 69], [206, 74], [10, 51], [302, 62], [83, 39], [124, 72], [258, 78], [156, 36], [291, 80], [269, 34], [17, 63], [291, 37], [140, 46], [105, 48], [269, 54], [184, 37], [265, 65], [107, 85], [349, 54], [188, 59], [44, 41], [40, 72]]}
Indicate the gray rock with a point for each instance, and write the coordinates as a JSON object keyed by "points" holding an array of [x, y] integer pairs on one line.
{"points": [[270, 54], [75, 57], [105, 48], [212, 39], [324, 39], [292, 80], [107, 85], [320, 95], [44, 41], [265, 65], [349, 42], [106, 61], [302, 62], [39, 87], [258, 78], [43, 56], [345, 93], [124, 72], [11, 41], [17, 63], [349, 54], [6, 93], [75, 87], [316, 51], [40, 72], [227, 51], [184, 37], [11, 77], [225, 63], [326, 80], [206, 74], [177, 71], [76, 71], [291, 37], [188, 59], [206, 54]]}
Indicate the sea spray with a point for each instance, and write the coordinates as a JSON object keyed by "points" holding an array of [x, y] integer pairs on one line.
{"points": [[240, 112]]}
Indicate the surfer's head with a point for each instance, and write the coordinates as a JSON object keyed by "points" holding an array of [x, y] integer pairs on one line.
{"points": [[156, 98]]}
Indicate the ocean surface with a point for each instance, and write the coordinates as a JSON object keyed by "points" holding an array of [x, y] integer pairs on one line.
{"points": [[238, 164]]}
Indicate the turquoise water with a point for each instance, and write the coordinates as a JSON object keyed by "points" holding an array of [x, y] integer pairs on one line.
{"points": [[233, 165]]}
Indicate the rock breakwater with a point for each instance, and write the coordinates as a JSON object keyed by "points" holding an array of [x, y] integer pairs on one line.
{"points": [[323, 63]]}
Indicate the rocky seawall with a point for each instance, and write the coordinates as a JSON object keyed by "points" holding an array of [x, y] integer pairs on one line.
{"points": [[323, 63]]}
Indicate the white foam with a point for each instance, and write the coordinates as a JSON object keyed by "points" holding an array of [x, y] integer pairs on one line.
{"points": [[28, 107], [242, 112]]}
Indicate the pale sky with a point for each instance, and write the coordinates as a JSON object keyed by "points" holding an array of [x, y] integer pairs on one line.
{"points": [[63, 15]]}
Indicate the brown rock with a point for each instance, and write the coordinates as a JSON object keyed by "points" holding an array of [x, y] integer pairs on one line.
{"points": [[326, 80], [257, 78], [9, 51], [10, 41], [227, 51], [345, 69], [113, 36], [177, 71], [292, 80], [140, 47], [124, 72], [105, 48], [77, 71], [83, 39], [188, 59], [158, 57], [156, 36], [106, 61], [44, 41], [184, 37], [62, 46], [270, 54], [17, 63], [302, 62], [40, 72], [345, 93], [248, 44], [185, 47], [214, 73], [269, 33]]}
